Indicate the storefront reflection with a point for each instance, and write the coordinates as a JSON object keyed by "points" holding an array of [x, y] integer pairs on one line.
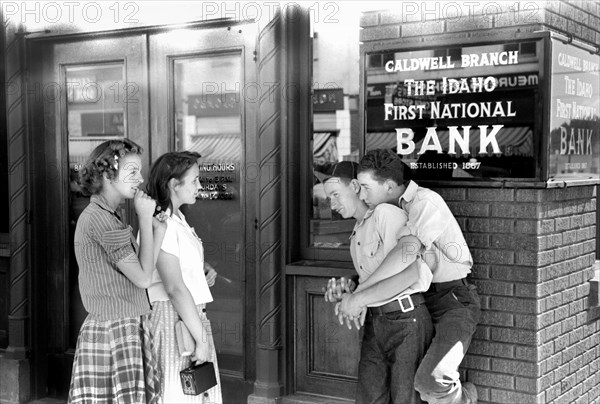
{"points": [[208, 110]]}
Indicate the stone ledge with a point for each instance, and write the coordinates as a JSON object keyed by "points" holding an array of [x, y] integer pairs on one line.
{"points": [[310, 399], [14, 374]]}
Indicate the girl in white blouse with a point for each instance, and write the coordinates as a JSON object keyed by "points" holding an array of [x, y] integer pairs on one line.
{"points": [[181, 281]]}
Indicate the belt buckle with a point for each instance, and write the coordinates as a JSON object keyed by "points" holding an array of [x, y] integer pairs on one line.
{"points": [[410, 304]]}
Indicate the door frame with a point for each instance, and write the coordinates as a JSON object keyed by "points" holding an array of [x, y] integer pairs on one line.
{"points": [[49, 171], [161, 66], [50, 194]]}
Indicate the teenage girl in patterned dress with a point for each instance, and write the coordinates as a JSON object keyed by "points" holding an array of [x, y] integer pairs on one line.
{"points": [[113, 360], [180, 288]]}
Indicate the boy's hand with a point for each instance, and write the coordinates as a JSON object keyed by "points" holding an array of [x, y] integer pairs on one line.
{"points": [[349, 306], [358, 321], [337, 287]]}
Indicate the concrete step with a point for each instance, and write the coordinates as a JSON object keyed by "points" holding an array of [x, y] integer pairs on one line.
{"points": [[291, 399], [312, 399]]}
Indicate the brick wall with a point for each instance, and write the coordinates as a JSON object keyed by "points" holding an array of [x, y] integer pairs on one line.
{"points": [[534, 250], [568, 338], [426, 21]]}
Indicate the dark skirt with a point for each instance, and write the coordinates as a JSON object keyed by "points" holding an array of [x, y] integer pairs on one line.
{"points": [[114, 363]]}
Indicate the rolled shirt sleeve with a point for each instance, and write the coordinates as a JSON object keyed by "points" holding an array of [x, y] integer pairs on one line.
{"points": [[430, 219], [117, 244], [390, 224], [426, 221]]}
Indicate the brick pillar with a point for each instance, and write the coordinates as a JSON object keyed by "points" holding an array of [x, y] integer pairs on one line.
{"points": [[14, 366], [568, 357], [534, 251]]}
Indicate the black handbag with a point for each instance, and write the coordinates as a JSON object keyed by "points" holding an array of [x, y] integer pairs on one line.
{"points": [[198, 378]]}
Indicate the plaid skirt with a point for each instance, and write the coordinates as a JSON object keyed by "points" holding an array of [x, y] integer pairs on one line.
{"points": [[115, 363], [170, 363]]}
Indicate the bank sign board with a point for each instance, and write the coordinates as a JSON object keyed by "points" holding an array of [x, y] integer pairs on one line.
{"points": [[525, 109], [574, 147], [458, 112]]}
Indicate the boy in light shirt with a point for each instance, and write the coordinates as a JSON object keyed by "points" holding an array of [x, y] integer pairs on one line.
{"points": [[397, 325], [451, 299]]}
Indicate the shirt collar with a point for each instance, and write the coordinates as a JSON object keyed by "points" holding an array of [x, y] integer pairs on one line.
{"points": [[178, 218], [409, 193], [102, 202], [360, 222], [181, 220]]}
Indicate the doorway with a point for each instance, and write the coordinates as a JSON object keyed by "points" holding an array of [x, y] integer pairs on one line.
{"points": [[167, 90]]}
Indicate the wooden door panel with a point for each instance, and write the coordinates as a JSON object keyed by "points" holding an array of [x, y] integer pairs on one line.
{"points": [[327, 353]]}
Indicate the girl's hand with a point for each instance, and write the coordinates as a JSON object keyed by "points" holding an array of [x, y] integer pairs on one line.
{"points": [[161, 216], [144, 205], [201, 353], [211, 274], [159, 223]]}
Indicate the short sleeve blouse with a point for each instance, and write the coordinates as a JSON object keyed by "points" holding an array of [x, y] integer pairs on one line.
{"points": [[181, 241], [101, 241]]}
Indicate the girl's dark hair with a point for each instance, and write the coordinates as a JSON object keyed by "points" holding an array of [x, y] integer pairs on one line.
{"points": [[385, 165], [169, 165], [105, 159]]}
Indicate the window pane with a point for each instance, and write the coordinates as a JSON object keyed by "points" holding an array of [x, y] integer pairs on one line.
{"points": [[336, 136], [208, 112], [95, 96]]}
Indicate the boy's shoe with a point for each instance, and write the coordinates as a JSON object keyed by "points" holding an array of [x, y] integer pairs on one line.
{"points": [[470, 391]]}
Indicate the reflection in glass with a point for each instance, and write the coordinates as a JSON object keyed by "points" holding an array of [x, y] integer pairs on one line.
{"points": [[574, 113], [208, 112], [96, 110], [336, 136]]}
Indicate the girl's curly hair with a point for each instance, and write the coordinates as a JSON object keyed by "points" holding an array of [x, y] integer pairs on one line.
{"points": [[169, 165], [105, 159]]}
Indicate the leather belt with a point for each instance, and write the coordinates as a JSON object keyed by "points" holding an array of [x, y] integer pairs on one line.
{"points": [[404, 303], [436, 287]]}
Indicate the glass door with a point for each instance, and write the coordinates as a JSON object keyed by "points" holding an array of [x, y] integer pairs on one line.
{"points": [[95, 113], [210, 124], [93, 90], [200, 80], [182, 89]]}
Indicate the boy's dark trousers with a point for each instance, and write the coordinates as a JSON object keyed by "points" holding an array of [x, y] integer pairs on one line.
{"points": [[392, 347], [455, 309]]}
